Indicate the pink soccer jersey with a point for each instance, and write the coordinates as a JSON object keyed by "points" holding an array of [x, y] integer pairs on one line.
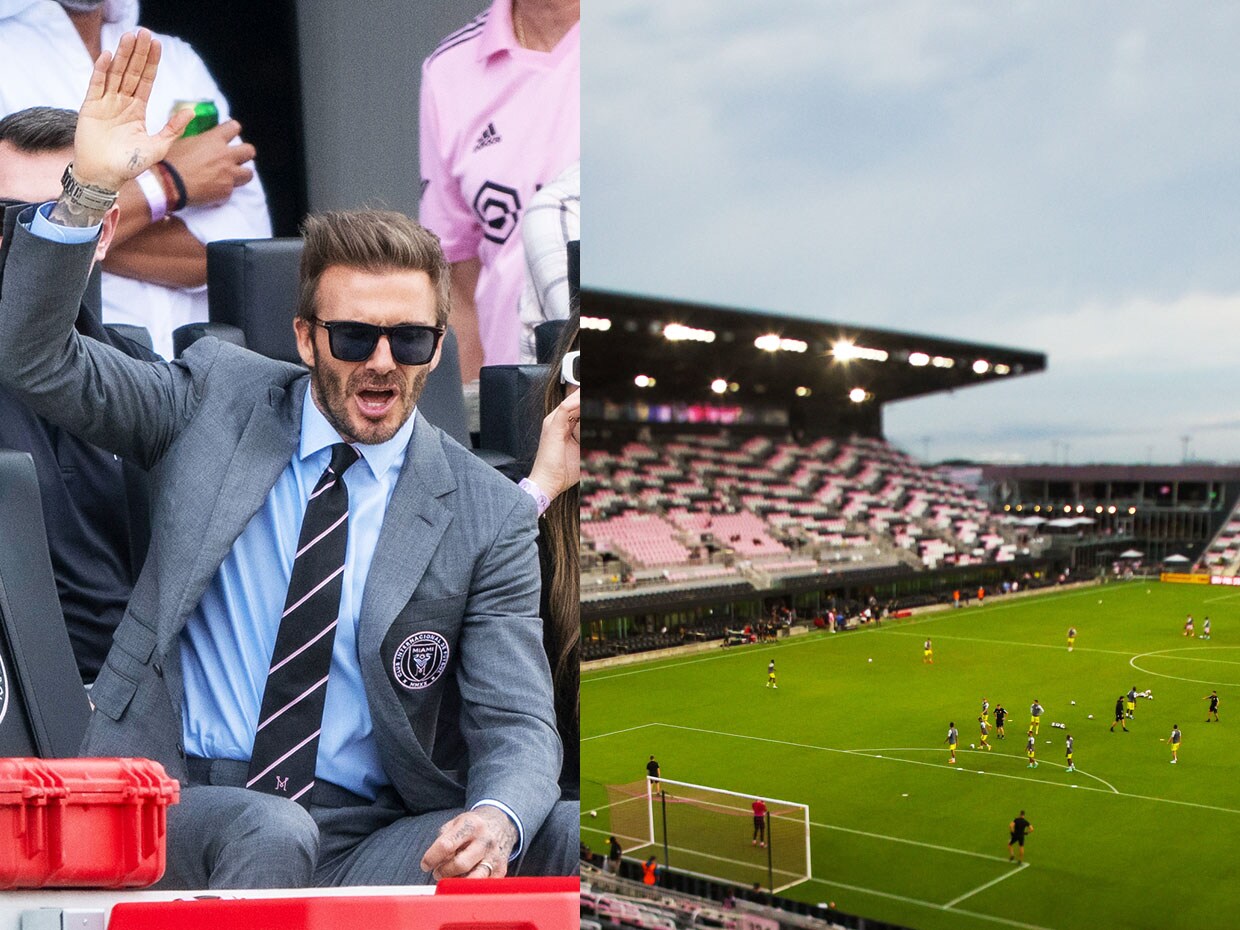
{"points": [[498, 121]]}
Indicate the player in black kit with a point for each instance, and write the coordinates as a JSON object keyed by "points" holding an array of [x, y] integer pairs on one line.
{"points": [[1119, 714], [1000, 715]]}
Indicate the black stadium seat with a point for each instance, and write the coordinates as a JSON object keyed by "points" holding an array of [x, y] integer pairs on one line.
{"points": [[43, 706], [253, 284]]}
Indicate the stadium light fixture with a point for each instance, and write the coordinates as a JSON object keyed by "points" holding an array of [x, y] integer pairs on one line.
{"points": [[803, 391], [1020, 508], [845, 350], [719, 386], [1067, 508], [644, 381], [1037, 508], [1080, 508], [942, 361], [602, 324], [675, 332], [981, 366], [1098, 509], [918, 359], [858, 395], [773, 342], [1002, 369], [1132, 510], [733, 387], [1111, 509]]}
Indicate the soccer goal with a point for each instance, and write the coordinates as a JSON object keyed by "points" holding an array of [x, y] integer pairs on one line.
{"points": [[710, 832]]}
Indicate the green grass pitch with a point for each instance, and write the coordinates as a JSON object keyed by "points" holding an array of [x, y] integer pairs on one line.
{"points": [[1127, 841]]}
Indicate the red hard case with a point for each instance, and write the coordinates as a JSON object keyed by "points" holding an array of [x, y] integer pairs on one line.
{"points": [[83, 823]]}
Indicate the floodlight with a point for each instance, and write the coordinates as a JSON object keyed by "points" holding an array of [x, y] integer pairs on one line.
{"points": [[918, 359], [595, 322], [803, 391], [719, 386], [858, 395], [644, 381], [981, 366]]}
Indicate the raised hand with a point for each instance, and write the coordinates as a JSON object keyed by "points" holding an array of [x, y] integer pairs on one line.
{"points": [[557, 466], [112, 144]]}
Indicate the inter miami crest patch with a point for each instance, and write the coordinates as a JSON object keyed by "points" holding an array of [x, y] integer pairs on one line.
{"points": [[420, 660]]}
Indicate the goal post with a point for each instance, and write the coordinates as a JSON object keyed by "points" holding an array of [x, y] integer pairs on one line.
{"points": [[711, 832]]}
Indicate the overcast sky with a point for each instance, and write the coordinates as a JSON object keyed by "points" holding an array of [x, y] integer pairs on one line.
{"points": [[1056, 176]]}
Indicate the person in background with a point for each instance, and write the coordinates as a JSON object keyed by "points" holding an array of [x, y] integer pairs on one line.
{"points": [[553, 483], [1018, 829], [204, 189], [500, 117], [614, 852], [552, 221], [94, 504]]}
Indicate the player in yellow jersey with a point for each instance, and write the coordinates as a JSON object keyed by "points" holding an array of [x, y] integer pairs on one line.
{"points": [[1035, 716], [984, 726], [1030, 749], [953, 737], [927, 653], [770, 675], [1071, 637]]}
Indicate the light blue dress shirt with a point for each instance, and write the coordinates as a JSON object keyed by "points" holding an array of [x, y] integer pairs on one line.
{"points": [[227, 642]]}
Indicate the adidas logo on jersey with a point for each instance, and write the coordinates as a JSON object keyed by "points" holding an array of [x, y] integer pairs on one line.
{"points": [[489, 137]]}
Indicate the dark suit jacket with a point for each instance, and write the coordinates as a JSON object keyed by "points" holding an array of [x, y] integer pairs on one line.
{"points": [[456, 555], [94, 507]]}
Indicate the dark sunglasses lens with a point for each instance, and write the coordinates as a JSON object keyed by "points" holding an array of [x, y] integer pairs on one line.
{"points": [[413, 345], [353, 342]]}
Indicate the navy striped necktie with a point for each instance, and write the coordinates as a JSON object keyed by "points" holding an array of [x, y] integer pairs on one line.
{"points": [[291, 718]]}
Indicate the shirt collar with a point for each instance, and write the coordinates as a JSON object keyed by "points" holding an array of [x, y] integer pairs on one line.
{"points": [[317, 434], [498, 34]]}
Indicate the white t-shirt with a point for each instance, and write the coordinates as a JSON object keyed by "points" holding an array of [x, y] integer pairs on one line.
{"points": [[44, 63]]}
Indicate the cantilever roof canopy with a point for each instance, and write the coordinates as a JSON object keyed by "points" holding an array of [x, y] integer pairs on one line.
{"points": [[775, 360]]}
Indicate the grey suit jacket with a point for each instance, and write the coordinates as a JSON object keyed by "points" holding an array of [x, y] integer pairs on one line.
{"points": [[456, 555]]}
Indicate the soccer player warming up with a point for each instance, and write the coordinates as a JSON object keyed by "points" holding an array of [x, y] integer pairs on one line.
{"points": [[953, 737], [1000, 716], [1071, 637], [1174, 741], [1188, 626], [1018, 828], [984, 726], [1030, 748], [1119, 714], [1068, 751], [1212, 697], [927, 653], [1035, 716], [759, 823], [770, 674]]}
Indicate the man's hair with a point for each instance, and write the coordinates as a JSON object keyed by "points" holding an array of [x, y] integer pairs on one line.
{"points": [[39, 129], [375, 241]]}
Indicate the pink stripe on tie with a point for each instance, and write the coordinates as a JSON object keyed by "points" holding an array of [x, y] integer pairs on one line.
{"points": [[300, 649], [314, 735], [295, 701], [330, 484], [297, 555], [315, 590], [302, 791]]}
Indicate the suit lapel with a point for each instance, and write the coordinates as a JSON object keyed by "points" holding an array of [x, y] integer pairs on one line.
{"points": [[264, 450], [414, 523]]}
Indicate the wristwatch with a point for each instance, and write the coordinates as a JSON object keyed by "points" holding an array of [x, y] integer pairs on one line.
{"points": [[86, 196]]}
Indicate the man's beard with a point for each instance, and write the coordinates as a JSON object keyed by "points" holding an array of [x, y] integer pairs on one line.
{"points": [[334, 397], [81, 6]]}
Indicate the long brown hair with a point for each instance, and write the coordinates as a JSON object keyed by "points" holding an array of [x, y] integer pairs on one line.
{"points": [[562, 532]]}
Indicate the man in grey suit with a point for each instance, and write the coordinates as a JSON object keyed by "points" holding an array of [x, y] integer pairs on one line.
{"points": [[383, 718]]}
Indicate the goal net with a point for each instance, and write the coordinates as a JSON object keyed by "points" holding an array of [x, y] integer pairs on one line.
{"points": [[711, 832]]}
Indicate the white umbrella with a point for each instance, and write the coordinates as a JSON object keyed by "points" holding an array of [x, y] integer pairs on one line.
{"points": [[1082, 521], [1062, 521], [1131, 554], [1177, 558], [1031, 521]]}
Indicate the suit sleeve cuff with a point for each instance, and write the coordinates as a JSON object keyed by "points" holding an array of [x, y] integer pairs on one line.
{"points": [[490, 802], [44, 228]]}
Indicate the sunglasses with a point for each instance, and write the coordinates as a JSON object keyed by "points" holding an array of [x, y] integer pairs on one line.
{"points": [[412, 343], [570, 368]]}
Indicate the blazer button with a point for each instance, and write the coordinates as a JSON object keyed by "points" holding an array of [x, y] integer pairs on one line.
{"points": [[158, 669]]}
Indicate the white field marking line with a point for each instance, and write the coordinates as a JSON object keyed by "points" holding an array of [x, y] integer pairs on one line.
{"points": [[1166, 653], [1191, 681], [900, 839], [930, 904], [1038, 781], [1008, 642], [640, 726], [1221, 597], [873, 753], [964, 611], [657, 665], [968, 894]]}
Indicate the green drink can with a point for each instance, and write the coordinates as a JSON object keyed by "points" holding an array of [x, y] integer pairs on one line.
{"points": [[206, 115]]}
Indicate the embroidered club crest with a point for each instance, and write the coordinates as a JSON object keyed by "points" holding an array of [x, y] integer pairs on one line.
{"points": [[420, 660]]}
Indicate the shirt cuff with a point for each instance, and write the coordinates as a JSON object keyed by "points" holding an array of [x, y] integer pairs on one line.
{"points": [[44, 228], [541, 500], [490, 802]]}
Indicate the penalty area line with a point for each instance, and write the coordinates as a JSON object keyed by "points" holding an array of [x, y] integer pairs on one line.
{"points": [[990, 884]]}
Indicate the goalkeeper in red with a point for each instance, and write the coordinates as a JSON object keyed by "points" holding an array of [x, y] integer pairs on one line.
{"points": [[759, 823]]}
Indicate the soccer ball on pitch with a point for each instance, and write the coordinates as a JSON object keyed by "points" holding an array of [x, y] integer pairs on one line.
{"points": [[970, 745], [593, 813]]}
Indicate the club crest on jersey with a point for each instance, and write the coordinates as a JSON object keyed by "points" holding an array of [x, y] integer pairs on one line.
{"points": [[497, 208], [420, 660]]}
